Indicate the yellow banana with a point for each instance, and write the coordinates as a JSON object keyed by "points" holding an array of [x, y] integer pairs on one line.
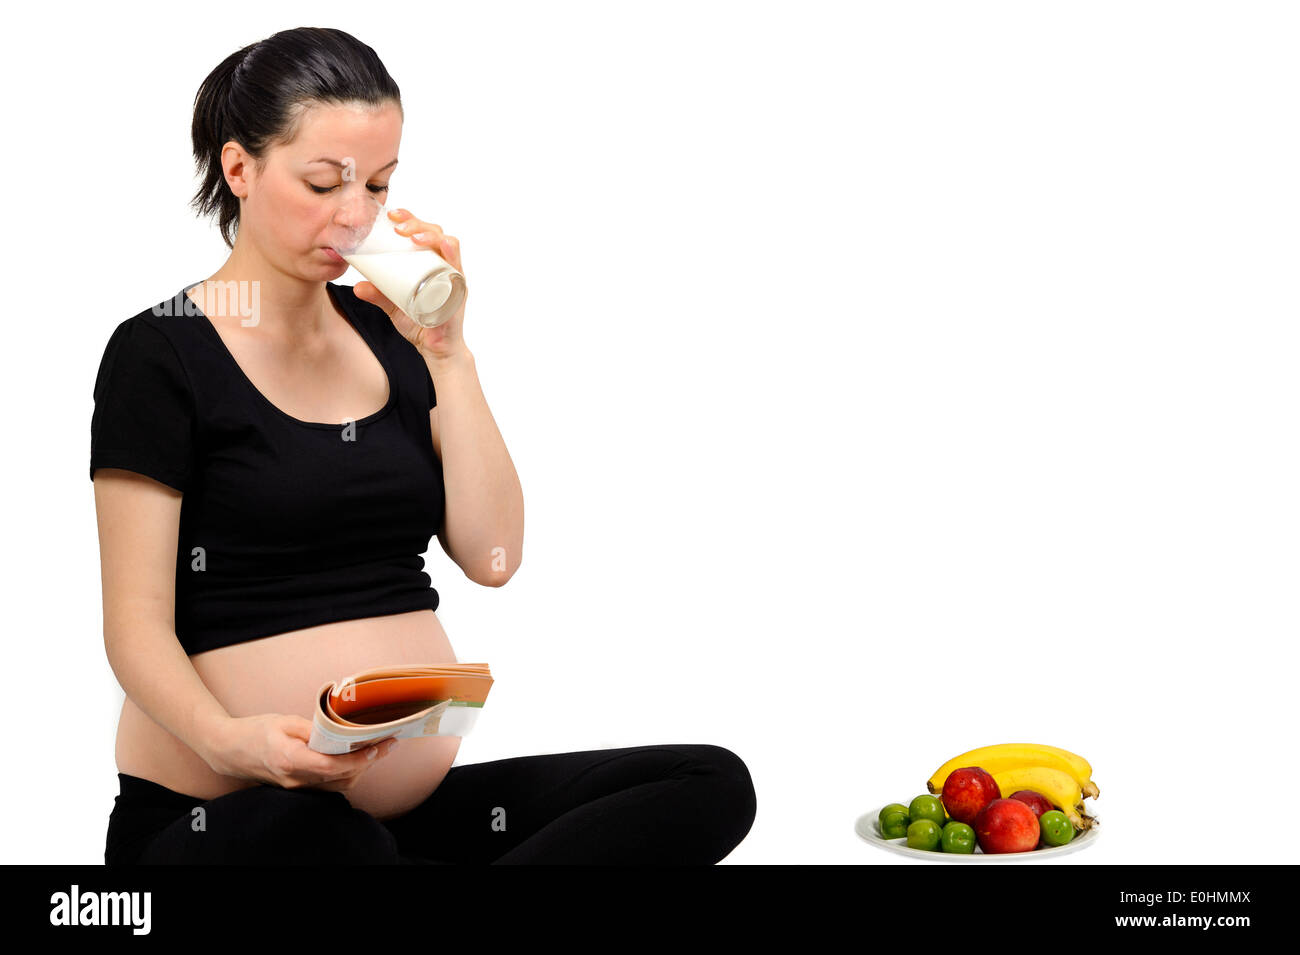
{"points": [[1061, 789], [1008, 756]]}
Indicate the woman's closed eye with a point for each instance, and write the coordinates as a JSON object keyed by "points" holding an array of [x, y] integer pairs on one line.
{"points": [[321, 190]]}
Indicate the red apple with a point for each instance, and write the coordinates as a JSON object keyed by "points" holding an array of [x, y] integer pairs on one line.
{"points": [[1007, 825], [1035, 801], [967, 791]]}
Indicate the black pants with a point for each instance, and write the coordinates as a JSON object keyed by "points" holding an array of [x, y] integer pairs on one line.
{"points": [[675, 804]]}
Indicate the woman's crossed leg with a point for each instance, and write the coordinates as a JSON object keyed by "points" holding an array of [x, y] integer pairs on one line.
{"points": [[682, 803]]}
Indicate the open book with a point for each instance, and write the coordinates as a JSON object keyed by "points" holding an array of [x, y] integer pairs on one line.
{"points": [[399, 701]]}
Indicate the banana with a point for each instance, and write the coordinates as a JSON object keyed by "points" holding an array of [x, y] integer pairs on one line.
{"points": [[1008, 756], [1061, 789]]}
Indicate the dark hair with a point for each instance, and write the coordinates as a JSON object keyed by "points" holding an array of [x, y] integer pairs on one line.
{"points": [[257, 96]]}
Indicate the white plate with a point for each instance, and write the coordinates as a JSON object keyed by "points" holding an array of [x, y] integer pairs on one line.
{"points": [[868, 827]]}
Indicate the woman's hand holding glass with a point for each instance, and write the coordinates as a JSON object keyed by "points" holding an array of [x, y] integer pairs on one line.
{"points": [[441, 342]]}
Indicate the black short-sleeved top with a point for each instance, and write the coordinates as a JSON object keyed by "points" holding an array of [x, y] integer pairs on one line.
{"points": [[284, 523]]}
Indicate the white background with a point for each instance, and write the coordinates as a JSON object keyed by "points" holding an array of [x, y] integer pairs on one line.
{"points": [[884, 380]]}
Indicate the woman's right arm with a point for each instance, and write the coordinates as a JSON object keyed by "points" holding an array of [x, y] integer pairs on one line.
{"points": [[138, 521]]}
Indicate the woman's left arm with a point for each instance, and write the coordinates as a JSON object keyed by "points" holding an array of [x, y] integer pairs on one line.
{"points": [[483, 523]]}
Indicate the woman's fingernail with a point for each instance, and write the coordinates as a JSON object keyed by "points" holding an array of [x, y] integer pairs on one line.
{"points": [[372, 752], [423, 236]]}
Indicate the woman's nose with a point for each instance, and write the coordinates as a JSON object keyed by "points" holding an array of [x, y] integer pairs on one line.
{"points": [[356, 211]]}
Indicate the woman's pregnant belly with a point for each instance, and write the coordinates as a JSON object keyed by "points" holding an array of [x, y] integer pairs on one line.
{"points": [[281, 674]]}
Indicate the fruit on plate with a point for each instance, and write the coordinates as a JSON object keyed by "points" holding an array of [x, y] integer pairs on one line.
{"points": [[1007, 825], [924, 834], [1035, 801], [1055, 828], [1007, 756], [959, 837], [892, 808], [1061, 790], [894, 821], [967, 791], [927, 807]]}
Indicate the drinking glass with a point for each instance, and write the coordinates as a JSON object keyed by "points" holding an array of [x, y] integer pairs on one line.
{"points": [[415, 278]]}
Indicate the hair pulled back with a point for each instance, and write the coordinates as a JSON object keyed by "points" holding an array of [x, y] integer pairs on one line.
{"points": [[258, 95]]}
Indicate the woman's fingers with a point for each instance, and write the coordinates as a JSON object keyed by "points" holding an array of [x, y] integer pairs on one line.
{"points": [[411, 225], [358, 762], [431, 235], [447, 246], [335, 767]]}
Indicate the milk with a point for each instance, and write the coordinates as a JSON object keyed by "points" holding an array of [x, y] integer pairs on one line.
{"points": [[416, 280]]}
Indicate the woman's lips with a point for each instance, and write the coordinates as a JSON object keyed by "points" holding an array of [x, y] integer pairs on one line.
{"points": [[333, 255]]}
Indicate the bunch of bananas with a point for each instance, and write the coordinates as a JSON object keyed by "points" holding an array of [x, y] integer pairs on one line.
{"points": [[1062, 777]]}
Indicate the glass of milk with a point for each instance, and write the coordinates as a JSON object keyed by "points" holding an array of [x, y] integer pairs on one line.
{"points": [[415, 278]]}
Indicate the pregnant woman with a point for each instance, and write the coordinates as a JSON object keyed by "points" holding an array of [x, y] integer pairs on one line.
{"points": [[271, 454]]}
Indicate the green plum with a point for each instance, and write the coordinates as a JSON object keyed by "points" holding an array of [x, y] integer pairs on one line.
{"points": [[894, 821], [1057, 830], [958, 837], [928, 807], [892, 807], [924, 834]]}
